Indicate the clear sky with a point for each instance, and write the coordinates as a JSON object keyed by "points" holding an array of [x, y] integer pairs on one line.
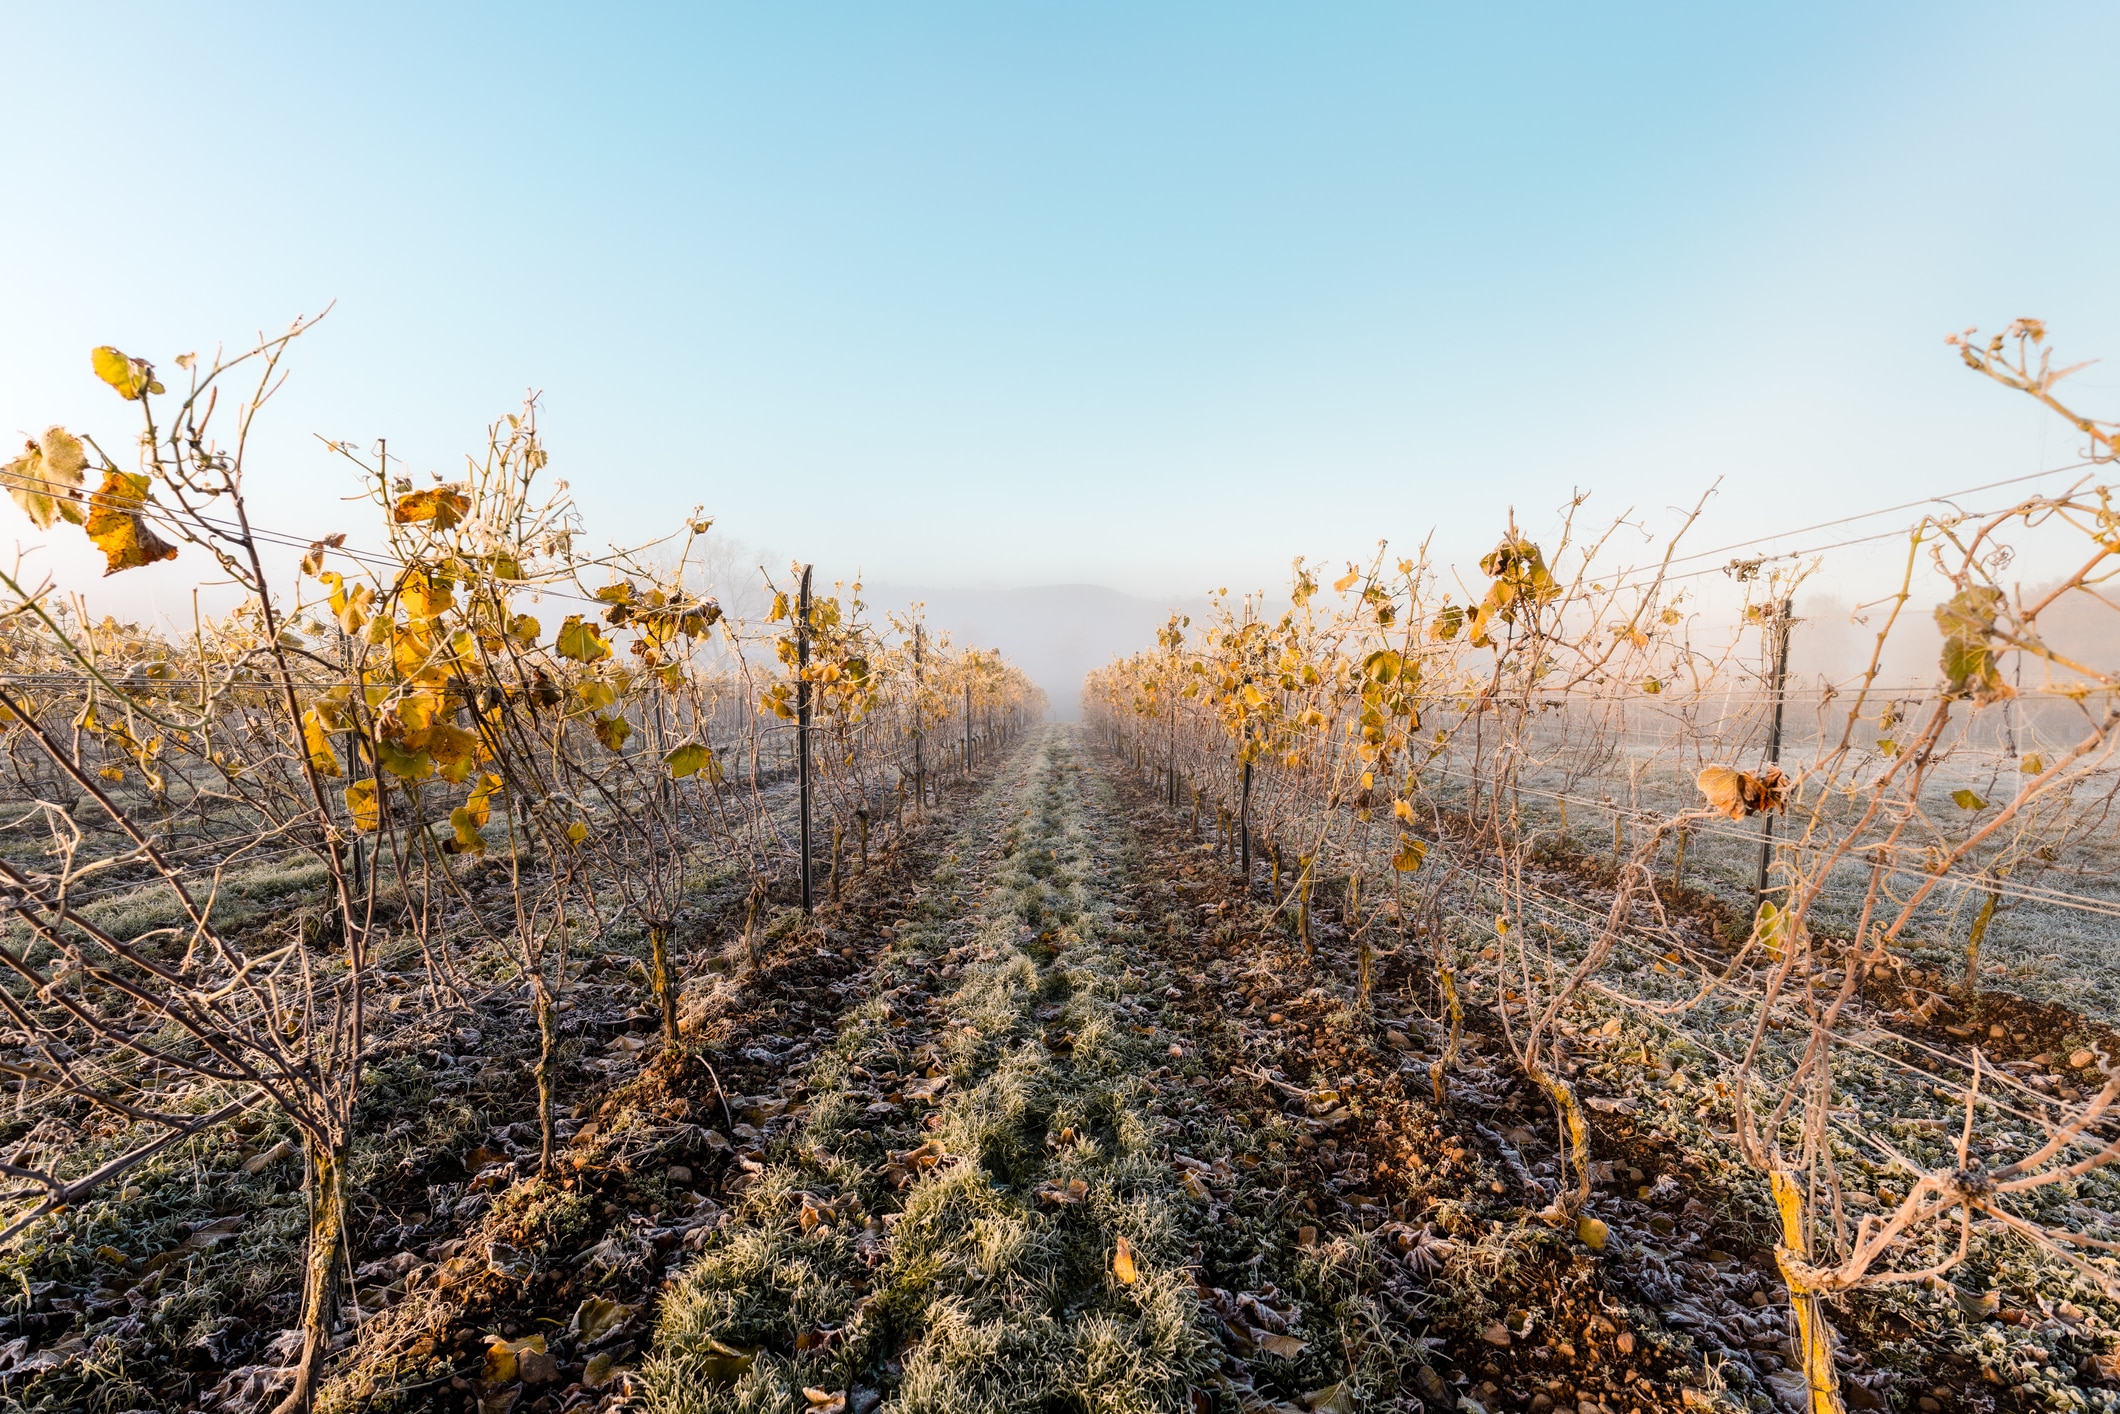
{"points": [[1154, 296]]}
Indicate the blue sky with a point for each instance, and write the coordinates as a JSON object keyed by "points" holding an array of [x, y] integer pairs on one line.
{"points": [[1149, 296]]}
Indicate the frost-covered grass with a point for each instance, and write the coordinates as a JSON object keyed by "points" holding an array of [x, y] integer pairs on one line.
{"points": [[967, 1258]]}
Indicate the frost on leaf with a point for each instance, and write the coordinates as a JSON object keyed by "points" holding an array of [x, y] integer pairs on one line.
{"points": [[45, 480]]}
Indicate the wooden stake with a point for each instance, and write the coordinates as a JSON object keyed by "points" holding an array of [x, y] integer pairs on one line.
{"points": [[802, 728]]}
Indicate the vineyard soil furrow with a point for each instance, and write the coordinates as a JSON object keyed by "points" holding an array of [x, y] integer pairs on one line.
{"points": [[581, 1258], [973, 1215]]}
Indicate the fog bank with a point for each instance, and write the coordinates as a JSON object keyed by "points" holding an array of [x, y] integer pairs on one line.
{"points": [[1056, 633]]}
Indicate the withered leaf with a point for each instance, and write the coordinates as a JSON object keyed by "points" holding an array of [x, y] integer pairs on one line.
{"points": [[117, 527]]}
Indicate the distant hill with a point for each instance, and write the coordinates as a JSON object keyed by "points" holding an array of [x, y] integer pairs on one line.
{"points": [[1056, 633]]}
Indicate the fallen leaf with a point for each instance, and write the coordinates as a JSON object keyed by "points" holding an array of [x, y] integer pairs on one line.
{"points": [[724, 1363], [503, 1356], [258, 1163], [598, 1317], [1066, 1195], [1333, 1399], [1978, 1305], [1123, 1264]]}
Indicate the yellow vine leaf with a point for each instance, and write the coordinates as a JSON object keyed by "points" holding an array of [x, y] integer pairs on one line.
{"points": [[1412, 853], [688, 760], [503, 1356], [2032, 765], [353, 611], [424, 595], [132, 377], [316, 737], [581, 642], [115, 525], [405, 765], [468, 840], [414, 713], [612, 731], [480, 802], [1774, 926], [454, 750], [442, 505], [362, 804], [1968, 658], [1383, 666], [45, 480], [577, 832], [1967, 800]]}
